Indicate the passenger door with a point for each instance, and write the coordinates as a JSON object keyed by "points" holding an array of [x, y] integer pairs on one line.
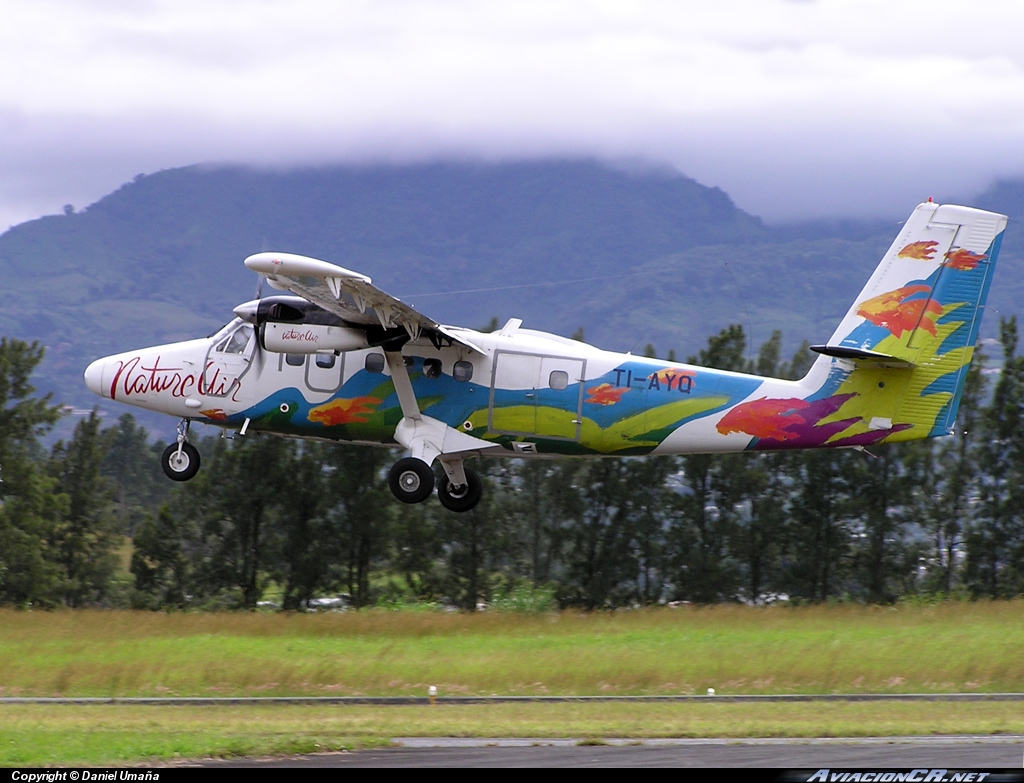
{"points": [[536, 395]]}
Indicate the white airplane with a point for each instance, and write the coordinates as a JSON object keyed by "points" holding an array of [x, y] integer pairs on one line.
{"points": [[341, 360]]}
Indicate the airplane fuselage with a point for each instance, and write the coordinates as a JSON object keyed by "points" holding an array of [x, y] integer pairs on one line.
{"points": [[530, 393]]}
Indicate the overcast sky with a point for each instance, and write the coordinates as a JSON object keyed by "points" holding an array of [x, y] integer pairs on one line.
{"points": [[796, 108]]}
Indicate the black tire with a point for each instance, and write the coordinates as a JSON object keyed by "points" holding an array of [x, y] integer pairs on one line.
{"points": [[411, 480], [180, 469], [464, 498]]}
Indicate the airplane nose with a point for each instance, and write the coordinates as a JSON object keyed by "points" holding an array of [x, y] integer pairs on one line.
{"points": [[247, 311], [94, 377]]}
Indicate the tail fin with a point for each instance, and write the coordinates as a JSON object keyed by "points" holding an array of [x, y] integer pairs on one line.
{"points": [[904, 347]]}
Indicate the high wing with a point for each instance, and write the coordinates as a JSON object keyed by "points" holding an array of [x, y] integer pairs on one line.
{"points": [[351, 296]]}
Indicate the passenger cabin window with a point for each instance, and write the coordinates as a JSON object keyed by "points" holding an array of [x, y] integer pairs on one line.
{"points": [[432, 368], [325, 360], [295, 359], [558, 380], [374, 362], [462, 371]]}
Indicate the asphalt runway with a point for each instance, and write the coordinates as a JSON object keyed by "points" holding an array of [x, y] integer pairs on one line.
{"points": [[998, 752]]}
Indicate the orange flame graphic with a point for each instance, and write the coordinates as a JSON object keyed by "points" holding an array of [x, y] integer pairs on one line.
{"points": [[922, 251], [217, 414], [605, 394], [337, 412], [964, 259], [765, 418], [892, 311]]}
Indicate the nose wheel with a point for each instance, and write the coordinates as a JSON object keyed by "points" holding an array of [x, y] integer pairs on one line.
{"points": [[180, 460], [180, 464]]}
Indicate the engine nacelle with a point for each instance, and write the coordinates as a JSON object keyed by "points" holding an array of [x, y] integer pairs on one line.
{"points": [[310, 338]]}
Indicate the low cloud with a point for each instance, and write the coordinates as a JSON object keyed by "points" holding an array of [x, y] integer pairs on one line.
{"points": [[796, 109]]}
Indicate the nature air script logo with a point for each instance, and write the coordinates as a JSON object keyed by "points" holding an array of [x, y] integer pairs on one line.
{"points": [[135, 378], [303, 337]]}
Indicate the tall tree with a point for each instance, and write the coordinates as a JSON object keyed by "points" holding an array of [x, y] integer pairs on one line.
{"points": [[994, 536], [306, 543], [533, 500], [160, 561], [133, 465], [87, 538], [30, 502], [362, 515], [879, 491], [818, 536], [237, 499], [591, 501], [648, 505], [479, 543]]}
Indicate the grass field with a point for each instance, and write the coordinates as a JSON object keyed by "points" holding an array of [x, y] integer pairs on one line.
{"points": [[832, 649], [109, 734], [835, 649]]}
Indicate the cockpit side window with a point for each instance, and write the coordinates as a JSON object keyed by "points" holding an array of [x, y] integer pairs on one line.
{"points": [[236, 340], [239, 339]]}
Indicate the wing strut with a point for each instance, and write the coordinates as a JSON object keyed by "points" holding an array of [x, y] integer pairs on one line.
{"points": [[426, 437], [403, 386]]}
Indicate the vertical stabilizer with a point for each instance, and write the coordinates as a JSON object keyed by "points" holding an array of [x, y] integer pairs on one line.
{"points": [[905, 345]]}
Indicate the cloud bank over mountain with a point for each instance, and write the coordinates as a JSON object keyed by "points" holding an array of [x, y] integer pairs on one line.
{"points": [[796, 109]]}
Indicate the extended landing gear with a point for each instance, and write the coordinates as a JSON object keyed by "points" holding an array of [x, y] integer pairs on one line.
{"points": [[460, 498], [412, 481], [180, 460]]}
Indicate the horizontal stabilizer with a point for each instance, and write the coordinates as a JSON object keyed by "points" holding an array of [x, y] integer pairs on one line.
{"points": [[861, 355]]}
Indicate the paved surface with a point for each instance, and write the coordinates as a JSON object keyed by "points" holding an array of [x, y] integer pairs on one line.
{"points": [[891, 752]]}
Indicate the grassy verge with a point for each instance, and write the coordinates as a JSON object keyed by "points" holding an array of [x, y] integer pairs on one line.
{"points": [[944, 648], [110, 734]]}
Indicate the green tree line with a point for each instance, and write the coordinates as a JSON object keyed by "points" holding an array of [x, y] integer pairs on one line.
{"points": [[300, 520]]}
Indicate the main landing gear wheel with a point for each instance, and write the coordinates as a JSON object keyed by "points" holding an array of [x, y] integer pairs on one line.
{"points": [[411, 480], [460, 498], [180, 467]]}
